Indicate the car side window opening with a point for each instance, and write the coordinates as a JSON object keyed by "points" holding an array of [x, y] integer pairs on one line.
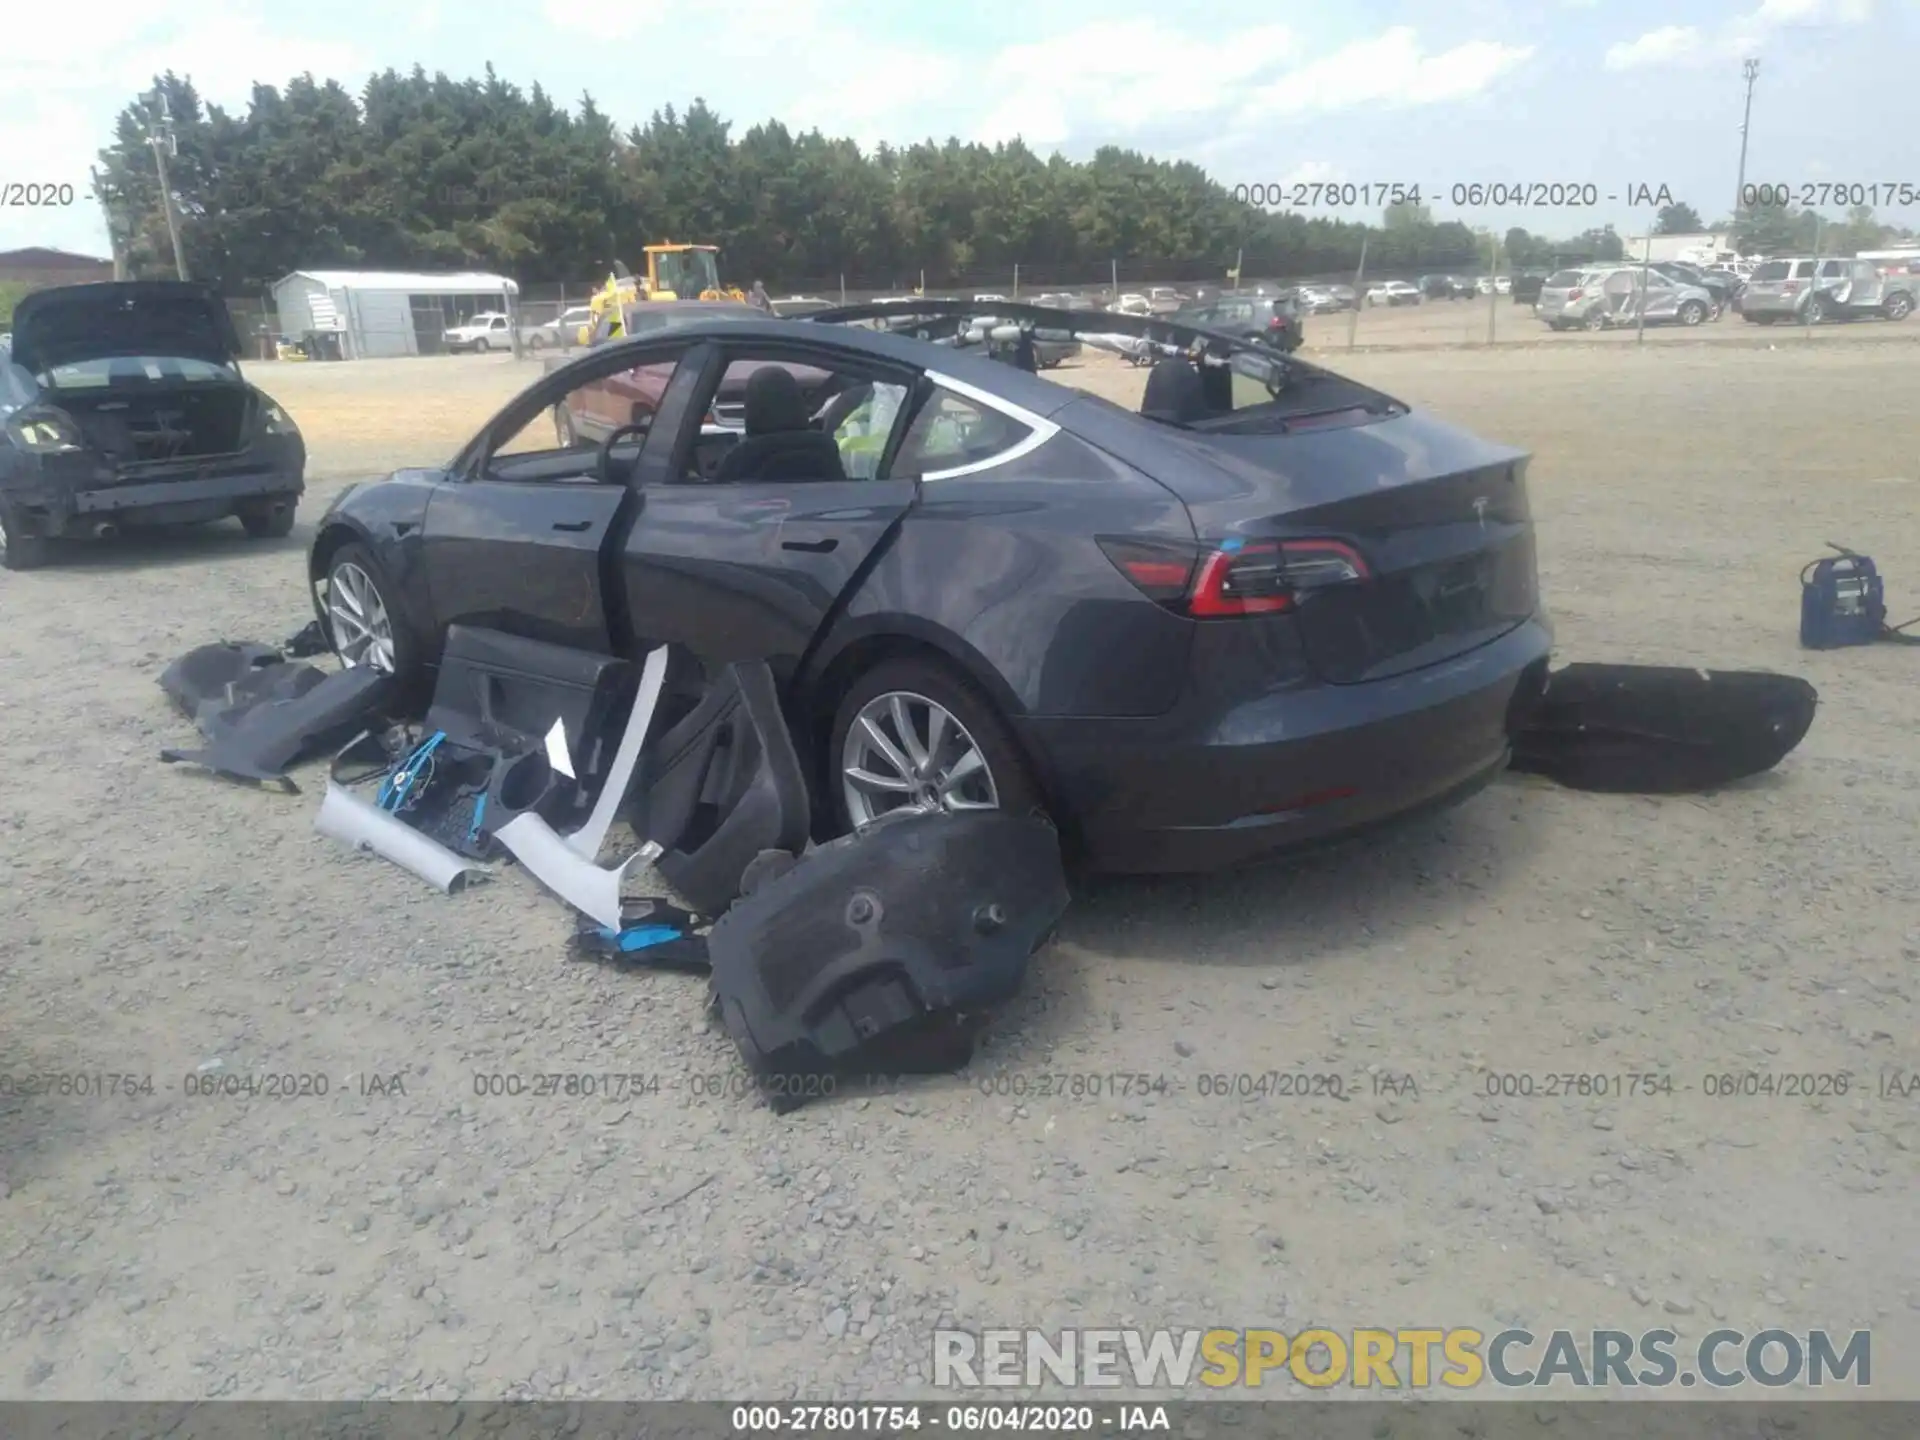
{"points": [[774, 421], [950, 431], [561, 443]]}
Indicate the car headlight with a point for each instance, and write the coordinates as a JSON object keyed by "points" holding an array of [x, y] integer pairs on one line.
{"points": [[45, 432]]}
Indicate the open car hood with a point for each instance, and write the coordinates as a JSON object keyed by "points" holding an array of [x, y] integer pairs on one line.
{"points": [[75, 323]]}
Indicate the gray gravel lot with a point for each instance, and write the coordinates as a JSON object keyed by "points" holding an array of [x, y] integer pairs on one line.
{"points": [[403, 1235]]}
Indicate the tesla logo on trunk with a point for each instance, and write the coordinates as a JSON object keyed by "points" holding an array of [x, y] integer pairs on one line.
{"points": [[1480, 511]]}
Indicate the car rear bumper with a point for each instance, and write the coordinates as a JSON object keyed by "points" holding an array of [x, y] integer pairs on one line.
{"points": [[70, 510], [1292, 770]]}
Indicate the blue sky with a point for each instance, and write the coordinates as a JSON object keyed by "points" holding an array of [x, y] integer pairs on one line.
{"points": [[1618, 94]]}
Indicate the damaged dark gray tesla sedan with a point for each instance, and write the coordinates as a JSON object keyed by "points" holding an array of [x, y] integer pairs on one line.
{"points": [[123, 405], [1273, 607]]}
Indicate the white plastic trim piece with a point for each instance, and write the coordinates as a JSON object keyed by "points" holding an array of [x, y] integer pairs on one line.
{"points": [[586, 841], [558, 756], [1039, 429], [554, 863], [352, 821]]}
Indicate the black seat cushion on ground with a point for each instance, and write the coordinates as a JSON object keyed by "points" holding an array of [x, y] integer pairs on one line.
{"points": [[780, 444]]}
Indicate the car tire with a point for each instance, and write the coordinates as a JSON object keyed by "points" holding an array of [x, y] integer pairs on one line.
{"points": [[534, 342], [918, 682], [481, 347], [1595, 321], [1899, 305], [272, 520], [1692, 313], [408, 651], [19, 550]]}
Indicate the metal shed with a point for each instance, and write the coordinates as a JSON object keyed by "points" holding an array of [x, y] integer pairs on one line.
{"points": [[386, 312]]}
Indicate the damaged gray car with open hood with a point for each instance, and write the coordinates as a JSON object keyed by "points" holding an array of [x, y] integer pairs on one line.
{"points": [[123, 405]]}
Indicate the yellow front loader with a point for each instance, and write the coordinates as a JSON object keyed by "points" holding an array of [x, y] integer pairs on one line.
{"points": [[674, 272]]}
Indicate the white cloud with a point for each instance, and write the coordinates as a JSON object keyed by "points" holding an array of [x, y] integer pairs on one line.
{"points": [[1119, 78], [1742, 36], [1390, 69], [1126, 79], [1665, 46]]}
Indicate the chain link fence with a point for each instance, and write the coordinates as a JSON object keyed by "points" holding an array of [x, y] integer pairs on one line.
{"points": [[1369, 305]]}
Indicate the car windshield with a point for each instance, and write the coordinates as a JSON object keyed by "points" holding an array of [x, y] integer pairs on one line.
{"points": [[135, 370], [687, 273]]}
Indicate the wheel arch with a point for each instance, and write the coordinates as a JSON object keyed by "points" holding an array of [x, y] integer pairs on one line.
{"points": [[834, 670]]}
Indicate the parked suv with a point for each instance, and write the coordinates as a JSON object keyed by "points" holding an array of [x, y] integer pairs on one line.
{"points": [[1275, 322], [1568, 298], [1791, 290], [1722, 287], [1617, 295]]}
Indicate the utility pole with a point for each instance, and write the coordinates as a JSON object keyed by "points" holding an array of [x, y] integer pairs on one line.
{"points": [[1751, 69], [161, 137], [113, 227]]}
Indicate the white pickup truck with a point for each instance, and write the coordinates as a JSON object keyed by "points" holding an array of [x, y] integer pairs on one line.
{"points": [[485, 331]]}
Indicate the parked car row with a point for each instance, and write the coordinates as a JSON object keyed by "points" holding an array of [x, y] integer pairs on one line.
{"points": [[1797, 290]]}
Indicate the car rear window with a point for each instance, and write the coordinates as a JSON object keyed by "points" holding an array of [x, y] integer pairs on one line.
{"points": [[135, 370], [1780, 269], [1562, 280]]}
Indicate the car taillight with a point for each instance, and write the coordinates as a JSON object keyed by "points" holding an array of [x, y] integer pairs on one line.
{"points": [[1575, 294], [1239, 577]]}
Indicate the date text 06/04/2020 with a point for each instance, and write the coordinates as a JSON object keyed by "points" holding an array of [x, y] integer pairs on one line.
{"points": [[1466, 194], [907, 1419]]}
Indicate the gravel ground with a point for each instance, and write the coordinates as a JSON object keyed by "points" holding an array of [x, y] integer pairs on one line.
{"points": [[404, 1236]]}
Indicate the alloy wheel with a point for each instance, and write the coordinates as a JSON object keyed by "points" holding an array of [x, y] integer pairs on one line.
{"points": [[906, 752], [357, 618]]}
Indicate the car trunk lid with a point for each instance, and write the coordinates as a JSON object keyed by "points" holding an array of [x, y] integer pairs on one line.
{"points": [[1439, 516], [72, 324]]}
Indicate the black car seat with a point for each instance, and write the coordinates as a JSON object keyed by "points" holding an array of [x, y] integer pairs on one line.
{"points": [[1175, 393], [780, 444]]}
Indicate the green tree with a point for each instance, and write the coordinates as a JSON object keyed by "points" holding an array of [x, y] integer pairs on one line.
{"points": [[1678, 219], [422, 171]]}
